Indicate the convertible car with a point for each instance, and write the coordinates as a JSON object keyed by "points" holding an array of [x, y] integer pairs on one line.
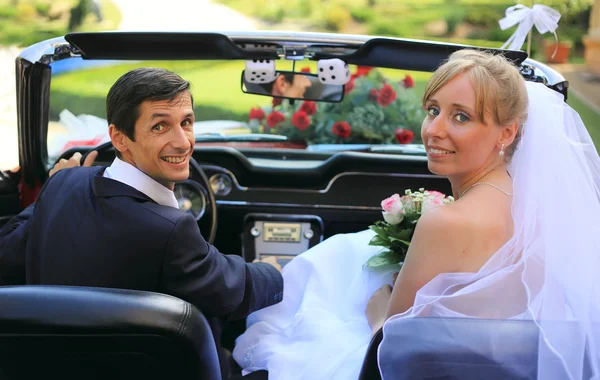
{"points": [[274, 173]]}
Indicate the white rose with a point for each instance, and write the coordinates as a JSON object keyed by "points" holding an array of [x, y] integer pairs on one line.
{"points": [[393, 209], [393, 218], [431, 202]]}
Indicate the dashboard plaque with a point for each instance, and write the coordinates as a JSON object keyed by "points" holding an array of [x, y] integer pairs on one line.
{"points": [[282, 232]]}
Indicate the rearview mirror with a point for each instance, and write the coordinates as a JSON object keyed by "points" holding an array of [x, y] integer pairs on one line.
{"points": [[292, 85]]}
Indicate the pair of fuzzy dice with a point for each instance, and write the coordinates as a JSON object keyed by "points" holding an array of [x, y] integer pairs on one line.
{"points": [[260, 71], [333, 71], [330, 71]]}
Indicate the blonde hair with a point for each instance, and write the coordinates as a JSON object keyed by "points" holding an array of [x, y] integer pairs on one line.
{"points": [[499, 87]]}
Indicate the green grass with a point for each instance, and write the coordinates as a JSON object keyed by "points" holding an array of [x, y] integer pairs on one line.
{"points": [[216, 90], [215, 87], [32, 21], [477, 20], [590, 118]]}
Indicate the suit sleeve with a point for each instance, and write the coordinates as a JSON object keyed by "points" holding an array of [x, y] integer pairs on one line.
{"points": [[13, 240], [219, 285]]}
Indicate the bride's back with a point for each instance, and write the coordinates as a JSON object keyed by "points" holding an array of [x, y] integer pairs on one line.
{"points": [[486, 224]]}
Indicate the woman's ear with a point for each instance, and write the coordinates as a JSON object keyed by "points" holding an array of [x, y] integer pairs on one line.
{"points": [[509, 133]]}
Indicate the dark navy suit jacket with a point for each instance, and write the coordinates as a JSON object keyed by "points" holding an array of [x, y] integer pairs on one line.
{"points": [[87, 230]]}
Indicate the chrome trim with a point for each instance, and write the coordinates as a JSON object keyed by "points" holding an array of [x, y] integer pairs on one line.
{"points": [[48, 51], [220, 184], [552, 76], [198, 189], [322, 191], [225, 171], [297, 205], [286, 217]]}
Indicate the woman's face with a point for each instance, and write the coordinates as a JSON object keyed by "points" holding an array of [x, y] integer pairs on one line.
{"points": [[457, 143]]}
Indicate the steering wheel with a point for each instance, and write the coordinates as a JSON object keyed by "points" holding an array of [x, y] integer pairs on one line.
{"points": [[212, 202]]}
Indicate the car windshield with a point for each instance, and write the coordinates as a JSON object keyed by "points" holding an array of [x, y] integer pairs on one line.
{"points": [[381, 111]]}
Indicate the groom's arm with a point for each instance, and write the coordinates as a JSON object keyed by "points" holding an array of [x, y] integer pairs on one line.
{"points": [[219, 285], [13, 241], [14, 234]]}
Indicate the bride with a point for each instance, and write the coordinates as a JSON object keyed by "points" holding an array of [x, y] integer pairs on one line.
{"points": [[521, 241]]}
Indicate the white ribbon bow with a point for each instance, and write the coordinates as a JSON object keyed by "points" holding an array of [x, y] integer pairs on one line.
{"points": [[544, 18]]}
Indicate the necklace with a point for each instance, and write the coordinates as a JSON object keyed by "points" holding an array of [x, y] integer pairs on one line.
{"points": [[484, 183]]}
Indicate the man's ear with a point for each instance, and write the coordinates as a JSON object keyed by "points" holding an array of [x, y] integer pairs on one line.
{"points": [[279, 85], [119, 139]]}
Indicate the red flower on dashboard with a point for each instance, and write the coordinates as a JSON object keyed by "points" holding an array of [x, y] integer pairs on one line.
{"points": [[373, 94], [309, 107], [305, 70], [408, 82], [301, 120], [277, 101], [341, 129], [349, 86], [256, 113], [363, 70], [386, 96], [275, 118], [404, 136]]}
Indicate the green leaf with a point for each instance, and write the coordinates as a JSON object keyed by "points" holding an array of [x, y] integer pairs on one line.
{"points": [[383, 259], [378, 241], [378, 229], [404, 234], [393, 239]]}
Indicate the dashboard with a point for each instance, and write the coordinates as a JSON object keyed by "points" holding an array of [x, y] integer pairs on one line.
{"points": [[283, 202]]}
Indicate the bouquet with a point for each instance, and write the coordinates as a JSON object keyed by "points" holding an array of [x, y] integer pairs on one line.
{"points": [[400, 217]]}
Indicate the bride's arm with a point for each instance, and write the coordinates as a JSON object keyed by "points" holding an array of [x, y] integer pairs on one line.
{"points": [[439, 244]]}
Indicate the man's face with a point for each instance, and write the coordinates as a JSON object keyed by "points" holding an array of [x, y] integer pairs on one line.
{"points": [[164, 140], [296, 89]]}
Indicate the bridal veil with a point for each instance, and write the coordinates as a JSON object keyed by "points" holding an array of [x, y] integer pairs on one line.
{"points": [[548, 272]]}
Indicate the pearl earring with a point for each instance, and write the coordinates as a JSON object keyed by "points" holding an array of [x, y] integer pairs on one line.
{"points": [[501, 153]]}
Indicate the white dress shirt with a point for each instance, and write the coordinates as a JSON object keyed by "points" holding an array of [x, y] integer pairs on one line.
{"points": [[128, 174]]}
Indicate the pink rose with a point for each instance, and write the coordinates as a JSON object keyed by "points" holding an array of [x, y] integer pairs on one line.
{"points": [[408, 204], [432, 200], [393, 210]]}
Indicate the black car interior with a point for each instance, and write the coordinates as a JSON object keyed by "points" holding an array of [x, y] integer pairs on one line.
{"points": [[56, 332], [427, 348]]}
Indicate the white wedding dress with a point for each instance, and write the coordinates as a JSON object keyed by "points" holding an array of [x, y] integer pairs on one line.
{"points": [[548, 271], [319, 330]]}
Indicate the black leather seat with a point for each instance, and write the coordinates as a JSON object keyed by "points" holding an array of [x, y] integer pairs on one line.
{"points": [[456, 348], [370, 367], [90, 333]]}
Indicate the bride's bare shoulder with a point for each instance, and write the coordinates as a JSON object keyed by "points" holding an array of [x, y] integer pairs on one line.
{"points": [[460, 235], [450, 217], [464, 217]]}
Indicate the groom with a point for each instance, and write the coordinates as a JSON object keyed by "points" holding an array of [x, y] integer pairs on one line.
{"points": [[120, 226]]}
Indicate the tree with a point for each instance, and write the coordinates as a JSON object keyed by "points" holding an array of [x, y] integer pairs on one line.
{"points": [[78, 14]]}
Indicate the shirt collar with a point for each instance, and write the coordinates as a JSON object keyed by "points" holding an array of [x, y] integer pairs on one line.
{"points": [[130, 175]]}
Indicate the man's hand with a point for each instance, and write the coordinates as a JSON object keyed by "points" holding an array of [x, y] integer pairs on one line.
{"points": [[269, 260], [377, 307], [74, 161]]}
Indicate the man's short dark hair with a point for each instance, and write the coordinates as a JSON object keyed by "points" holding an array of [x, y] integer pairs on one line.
{"points": [[132, 89], [288, 77]]}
